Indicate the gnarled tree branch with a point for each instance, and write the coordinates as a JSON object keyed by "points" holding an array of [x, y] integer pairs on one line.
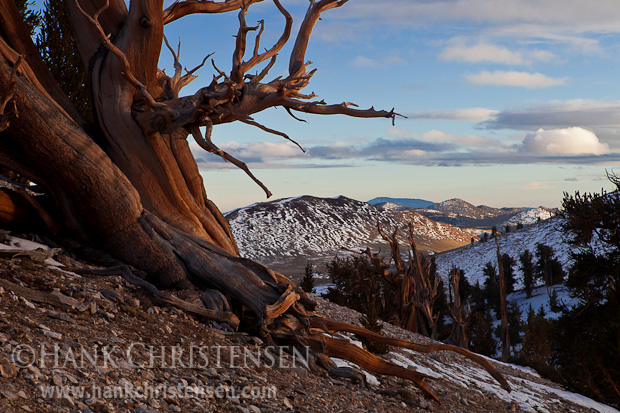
{"points": [[206, 144], [184, 8]]}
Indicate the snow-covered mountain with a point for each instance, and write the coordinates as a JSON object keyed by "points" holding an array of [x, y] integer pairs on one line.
{"points": [[472, 258], [465, 215], [310, 226], [465, 209], [531, 216]]}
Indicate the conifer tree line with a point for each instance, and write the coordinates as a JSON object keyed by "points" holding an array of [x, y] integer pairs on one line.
{"points": [[579, 348]]}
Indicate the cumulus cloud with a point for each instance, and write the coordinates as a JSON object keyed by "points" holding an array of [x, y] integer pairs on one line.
{"points": [[513, 78], [464, 114], [567, 141]]}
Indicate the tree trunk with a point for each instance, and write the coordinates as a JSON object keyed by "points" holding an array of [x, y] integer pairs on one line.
{"points": [[503, 306], [129, 184]]}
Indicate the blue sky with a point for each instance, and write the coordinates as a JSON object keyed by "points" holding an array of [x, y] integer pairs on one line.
{"points": [[508, 102]]}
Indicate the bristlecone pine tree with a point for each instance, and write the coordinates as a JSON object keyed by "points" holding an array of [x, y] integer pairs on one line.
{"points": [[128, 184]]}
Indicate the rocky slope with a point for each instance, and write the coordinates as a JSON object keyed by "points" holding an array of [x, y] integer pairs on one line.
{"points": [[140, 358]]}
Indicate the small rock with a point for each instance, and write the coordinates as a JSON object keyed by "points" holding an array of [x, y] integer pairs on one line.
{"points": [[28, 303], [154, 404], [406, 394], [26, 408], [63, 317], [133, 302], [52, 334], [300, 372], [253, 409], [288, 404], [81, 406], [57, 379], [7, 369], [113, 295], [7, 394]]}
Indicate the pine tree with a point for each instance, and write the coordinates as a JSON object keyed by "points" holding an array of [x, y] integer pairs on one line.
{"points": [[481, 333], [508, 264], [587, 341], [307, 282], [491, 287], [515, 325], [59, 51], [548, 267], [536, 350], [527, 267]]}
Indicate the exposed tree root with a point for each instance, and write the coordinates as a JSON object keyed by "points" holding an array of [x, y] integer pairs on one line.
{"points": [[162, 296], [345, 350], [332, 326]]}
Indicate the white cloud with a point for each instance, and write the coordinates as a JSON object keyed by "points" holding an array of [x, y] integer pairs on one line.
{"points": [[482, 52], [363, 61], [596, 115], [567, 141], [485, 52], [513, 78], [575, 16], [464, 114], [461, 140], [264, 150]]}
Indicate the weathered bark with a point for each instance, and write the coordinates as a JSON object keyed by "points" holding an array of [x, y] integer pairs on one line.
{"points": [[139, 196], [415, 293], [460, 313]]}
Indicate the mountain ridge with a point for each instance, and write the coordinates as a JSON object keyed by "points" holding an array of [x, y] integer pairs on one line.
{"points": [[286, 233], [406, 202]]}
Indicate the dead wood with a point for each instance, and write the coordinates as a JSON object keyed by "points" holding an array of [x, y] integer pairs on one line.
{"points": [[333, 326], [55, 298], [503, 306], [345, 350], [460, 313], [162, 296]]}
